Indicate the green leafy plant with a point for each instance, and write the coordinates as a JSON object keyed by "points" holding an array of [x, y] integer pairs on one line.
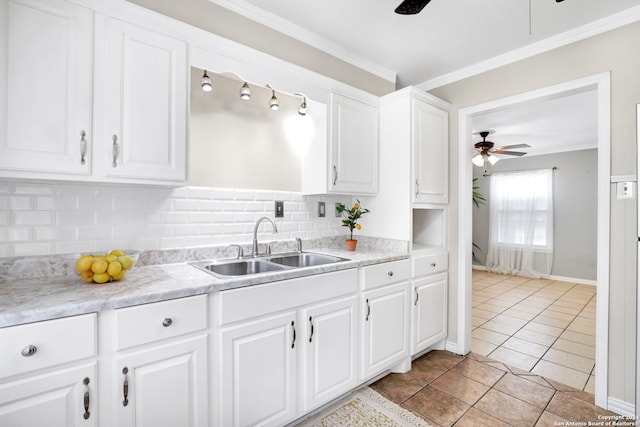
{"points": [[477, 198], [351, 216]]}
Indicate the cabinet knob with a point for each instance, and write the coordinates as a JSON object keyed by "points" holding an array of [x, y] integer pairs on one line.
{"points": [[29, 350], [167, 322], [390, 273], [433, 264]]}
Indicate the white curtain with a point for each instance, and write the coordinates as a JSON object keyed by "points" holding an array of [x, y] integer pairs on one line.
{"points": [[521, 223]]}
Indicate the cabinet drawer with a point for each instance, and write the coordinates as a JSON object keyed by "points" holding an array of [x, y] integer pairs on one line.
{"points": [[147, 323], [428, 264], [40, 345], [374, 276]]}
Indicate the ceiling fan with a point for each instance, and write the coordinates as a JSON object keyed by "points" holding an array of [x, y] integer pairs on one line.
{"points": [[412, 7], [487, 152]]}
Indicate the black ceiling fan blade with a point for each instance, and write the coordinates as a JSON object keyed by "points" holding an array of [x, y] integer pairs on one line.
{"points": [[411, 7], [509, 153], [509, 147]]}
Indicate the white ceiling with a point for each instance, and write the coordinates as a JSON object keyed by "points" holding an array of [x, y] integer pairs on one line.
{"points": [[448, 35]]}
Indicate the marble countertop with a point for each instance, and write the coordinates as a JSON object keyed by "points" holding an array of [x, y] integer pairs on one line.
{"points": [[25, 300]]}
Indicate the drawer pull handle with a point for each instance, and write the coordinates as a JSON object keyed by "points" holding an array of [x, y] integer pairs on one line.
{"points": [[390, 273], [417, 298], [335, 175], [433, 264], [368, 311], [125, 387], [86, 414], [311, 323], [167, 322], [293, 328], [417, 188], [29, 350]]}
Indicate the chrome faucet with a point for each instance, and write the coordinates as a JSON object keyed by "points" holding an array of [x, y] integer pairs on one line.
{"points": [[254, 249], [299, 240]]}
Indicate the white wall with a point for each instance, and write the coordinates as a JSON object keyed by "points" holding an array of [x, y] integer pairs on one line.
{"points": [[44, 218]]}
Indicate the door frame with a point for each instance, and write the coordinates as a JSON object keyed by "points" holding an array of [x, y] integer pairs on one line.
{"points": [[602, 84]]}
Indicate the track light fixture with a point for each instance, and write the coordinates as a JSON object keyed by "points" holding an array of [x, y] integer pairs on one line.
{"points": [[206, 83], [274, 104], [245, 92], [302, 109]]}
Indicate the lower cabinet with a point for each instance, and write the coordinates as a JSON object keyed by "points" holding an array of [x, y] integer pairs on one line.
{"points": [[163, 386], [429, 311], [275, 367], [384, 342], [61, 398]]}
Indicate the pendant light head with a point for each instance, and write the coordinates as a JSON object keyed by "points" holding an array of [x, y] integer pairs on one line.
{"points": [[274, 104], [493, 159], [478, 160], [205, 82], [245, 92]]}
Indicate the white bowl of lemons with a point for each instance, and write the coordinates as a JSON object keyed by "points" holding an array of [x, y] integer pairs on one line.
{"points": [[105, 267]]}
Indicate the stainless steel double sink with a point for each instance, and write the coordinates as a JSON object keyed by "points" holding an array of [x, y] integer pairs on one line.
{"points": [[264, 264]]}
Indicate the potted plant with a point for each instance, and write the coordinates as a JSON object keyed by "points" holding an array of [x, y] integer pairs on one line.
{"points": [[350, 219]]}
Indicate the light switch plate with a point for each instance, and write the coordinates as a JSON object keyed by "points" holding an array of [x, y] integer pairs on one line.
{"points": [[279, 209], [321, 209], [624, 190], [338, 214]]}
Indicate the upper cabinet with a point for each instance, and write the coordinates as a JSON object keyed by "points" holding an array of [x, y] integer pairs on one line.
{"points": [[344, 159], [430, 142], [45, 87], [144, 111], [115, 111], [353, 146]]}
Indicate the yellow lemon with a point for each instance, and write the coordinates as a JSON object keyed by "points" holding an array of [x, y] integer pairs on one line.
{"points": [[101, 277], [116, 252], [110, 258], [99, 266], [83, 263], [126, 261], [114, 268], [358, 226], [87, 276], [120, 275]]}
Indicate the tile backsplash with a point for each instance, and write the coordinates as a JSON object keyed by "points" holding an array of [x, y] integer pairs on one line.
{"points": [[45, 218]]}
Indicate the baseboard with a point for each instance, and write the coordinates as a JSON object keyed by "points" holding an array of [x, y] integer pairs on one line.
{"points": [[623, 408], [451, 346], [551, 277]]}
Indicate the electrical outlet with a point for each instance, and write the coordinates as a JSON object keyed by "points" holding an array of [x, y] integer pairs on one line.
{"points": [[321, 209], [279, 209]]}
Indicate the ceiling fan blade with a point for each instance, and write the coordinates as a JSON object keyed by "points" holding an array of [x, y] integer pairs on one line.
{"points": [[509, 153], [411, 7], [509, 147]]}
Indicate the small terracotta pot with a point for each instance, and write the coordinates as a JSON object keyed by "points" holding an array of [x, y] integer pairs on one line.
{"points": [[351, 244]]}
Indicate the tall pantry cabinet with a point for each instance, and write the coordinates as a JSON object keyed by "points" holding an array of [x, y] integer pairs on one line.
{"points": [[412, 202]]}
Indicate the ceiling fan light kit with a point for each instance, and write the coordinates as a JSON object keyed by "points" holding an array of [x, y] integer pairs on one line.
{"points": [[487, 151]]}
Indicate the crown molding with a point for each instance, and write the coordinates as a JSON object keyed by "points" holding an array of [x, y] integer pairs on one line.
{"points": [[299, 33], [603, 25]]}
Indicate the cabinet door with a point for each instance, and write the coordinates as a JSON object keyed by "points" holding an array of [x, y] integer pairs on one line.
{"points": [[354, 146], [54, 399], [429, 311], [385, 335], [430, 148], [258, 372], [163, 386], [329, 362], [45, 87], [145, 102]]}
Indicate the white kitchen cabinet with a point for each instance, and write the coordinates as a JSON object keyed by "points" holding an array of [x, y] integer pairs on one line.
{"points": [[285, 348], [163, 385], [48, 373], [259, 371], [429, 311], [353, 146], [430, 141], [330, 351], [45, 87], [384, 317], [142, 102], [159, 369], [61, 398]]}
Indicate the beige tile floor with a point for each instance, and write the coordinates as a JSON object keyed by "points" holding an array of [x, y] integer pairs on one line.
{"points": [[542, 326]]}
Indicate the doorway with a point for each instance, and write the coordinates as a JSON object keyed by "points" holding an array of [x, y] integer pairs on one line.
{"points": [[601, 84]]}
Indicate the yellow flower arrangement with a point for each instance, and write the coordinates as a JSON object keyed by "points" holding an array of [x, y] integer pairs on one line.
{"points": [[351, 216]]}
